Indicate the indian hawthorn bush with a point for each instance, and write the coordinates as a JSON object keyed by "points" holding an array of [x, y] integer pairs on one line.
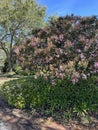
{"points": [[68, 47]]}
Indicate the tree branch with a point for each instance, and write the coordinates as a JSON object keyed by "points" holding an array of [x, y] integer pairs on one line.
{"points": [[13, 34], [4, 37], [4, 48]]}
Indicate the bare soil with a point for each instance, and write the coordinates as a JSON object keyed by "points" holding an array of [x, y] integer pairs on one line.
{"points": [[15, 119]]}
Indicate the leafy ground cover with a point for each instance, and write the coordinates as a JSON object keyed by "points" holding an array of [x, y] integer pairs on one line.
{"points": [[18, 94]]}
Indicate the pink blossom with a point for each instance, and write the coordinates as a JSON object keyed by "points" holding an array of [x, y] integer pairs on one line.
{"points": [[78, 50], [61, 68], [61, 37], [53, 82], [84, 76], [75, 77], [61, 50], [94, 71], [86, 48], [96, 65], [51, 58], [33, 44], [74, 81], [82, 57], [57, 56]]}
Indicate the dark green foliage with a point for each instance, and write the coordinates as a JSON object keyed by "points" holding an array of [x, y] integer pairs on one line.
{"points": [[5, 67], [26, 92], [39, 93], [18, 70]]}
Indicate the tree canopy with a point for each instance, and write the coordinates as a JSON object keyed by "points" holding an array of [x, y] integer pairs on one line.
{"points": [[17, 18]]}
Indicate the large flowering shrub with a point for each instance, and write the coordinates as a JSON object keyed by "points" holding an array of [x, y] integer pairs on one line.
{"points": [[68, 47]]}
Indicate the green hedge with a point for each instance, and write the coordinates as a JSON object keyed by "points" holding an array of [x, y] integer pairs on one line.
{"points": [[39, 93]]}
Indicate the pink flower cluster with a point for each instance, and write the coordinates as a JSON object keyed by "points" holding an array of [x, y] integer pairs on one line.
{"points": [[96, 65], [76, 76]]}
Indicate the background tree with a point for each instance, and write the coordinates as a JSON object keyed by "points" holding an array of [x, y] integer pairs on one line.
{"points": [[17, 18]]}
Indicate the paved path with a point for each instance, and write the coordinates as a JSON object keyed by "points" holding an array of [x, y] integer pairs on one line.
{"points": [[14, 119], [10, 119], [3, 126]]}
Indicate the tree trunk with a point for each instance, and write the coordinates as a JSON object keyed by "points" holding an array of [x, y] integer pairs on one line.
{"points": [[10, 63], [10, 68], [9, 56]]}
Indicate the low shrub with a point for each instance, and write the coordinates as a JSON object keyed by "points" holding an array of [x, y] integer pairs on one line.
{"points": [[26, 92], [39, 93]]}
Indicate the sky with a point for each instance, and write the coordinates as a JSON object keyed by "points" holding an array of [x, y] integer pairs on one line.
{"points": [[67, 7]]}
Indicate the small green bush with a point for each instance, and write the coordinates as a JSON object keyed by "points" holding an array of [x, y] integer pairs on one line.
{"points": [[18, 70], [39, 93]]}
